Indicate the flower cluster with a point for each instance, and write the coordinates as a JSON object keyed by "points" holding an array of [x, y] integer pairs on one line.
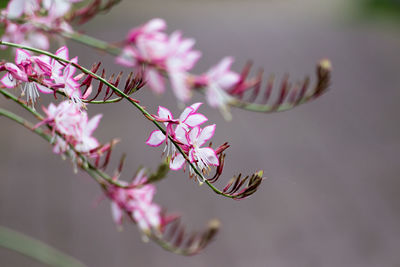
{"points": [[187, 133], [41, 73], [173, 56], [73, 125], [136, 200], [37, 14]]}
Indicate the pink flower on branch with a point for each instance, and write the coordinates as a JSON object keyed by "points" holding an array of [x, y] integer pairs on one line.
{"points": [[217, 81], [73, 125], [185, 132], [163, 55], [137, 202], [47, 74]]}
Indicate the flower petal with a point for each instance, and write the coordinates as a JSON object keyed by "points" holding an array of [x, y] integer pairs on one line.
{"points": [[195, 119], [116, 213], [156, 138], [206, 134], [155, 80], [21, 55], [92, 124], [177, 162], [44, 89], [7, 82], [164, 113], [193, 135], [209, 156]]}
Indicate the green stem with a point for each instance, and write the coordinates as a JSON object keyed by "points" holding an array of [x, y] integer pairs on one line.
{"points": [[36, 249], [127, 97], [92, 42]]}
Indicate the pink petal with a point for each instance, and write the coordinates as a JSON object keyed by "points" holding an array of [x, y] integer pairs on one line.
{"points": [[177, 162], [228, 80], [16, 72], [179, 85], [155, 80], [127, 58], [156, 138], [15, 8], [116, 213], [180, 134], [185, 113], [93, 123], [7, 82], [62, 52], [196, 106], [195, 120], [155, 24], [210, 155], [193, 134], [164, 113], [44, 89], [206, 134], [21, 55], [39, 40]]}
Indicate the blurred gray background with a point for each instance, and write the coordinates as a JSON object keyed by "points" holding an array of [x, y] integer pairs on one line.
{"points": [[332, 194]]}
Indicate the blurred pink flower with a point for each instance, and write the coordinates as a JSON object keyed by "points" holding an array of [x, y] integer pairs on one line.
{"points": [[136, 202], [217, 80]]}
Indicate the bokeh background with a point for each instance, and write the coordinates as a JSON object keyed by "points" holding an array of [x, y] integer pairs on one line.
{"points": [[332, 194]]}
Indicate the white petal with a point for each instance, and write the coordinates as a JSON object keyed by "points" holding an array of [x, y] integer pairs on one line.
{"points": [[155, 80], [21, 55], [193, 134], [179, 86], [185, 113], [44, 89], [38, 40], [177, 162], [93, 123], [7, 82], [196, 106], [206, 134], [196, 119], [156, 138], [116, 213], [228, 80], [164, 113], [15, 8], [210, 156], [62, 52]]}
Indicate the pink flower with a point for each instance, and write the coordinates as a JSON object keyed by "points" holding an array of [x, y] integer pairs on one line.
{"points": [[181, 58], [85, 142], [25, 34], [73, 124], [201, 157], [188, 119], [149, 30], [217, 80], [35, 67], [137, 202], [64, 75], [162, 54]]}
